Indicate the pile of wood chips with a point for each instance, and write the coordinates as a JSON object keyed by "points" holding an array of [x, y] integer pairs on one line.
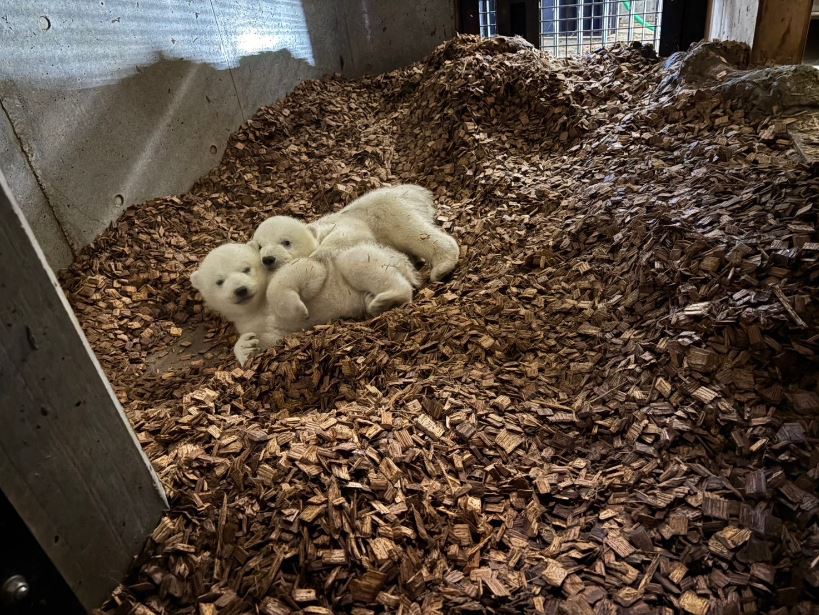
{"points": [[610, 407]]}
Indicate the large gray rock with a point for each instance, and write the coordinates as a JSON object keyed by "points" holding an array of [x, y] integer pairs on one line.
{"points": [[722, 68]]}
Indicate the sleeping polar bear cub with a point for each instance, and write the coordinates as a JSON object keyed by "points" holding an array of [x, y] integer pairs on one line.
{"points": [[352, 283], [399, 217], [366, 279]]}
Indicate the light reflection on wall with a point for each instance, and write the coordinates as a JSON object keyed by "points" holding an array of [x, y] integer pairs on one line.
{"points": [[86, 43]]}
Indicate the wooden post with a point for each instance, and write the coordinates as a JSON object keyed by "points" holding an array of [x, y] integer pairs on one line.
{"points": [[69, 462], [781, 31], [776, 30]]}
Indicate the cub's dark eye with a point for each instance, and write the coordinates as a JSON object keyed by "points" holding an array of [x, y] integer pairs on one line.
{"points": [[286, 243], [219, 282], [246, 270]]}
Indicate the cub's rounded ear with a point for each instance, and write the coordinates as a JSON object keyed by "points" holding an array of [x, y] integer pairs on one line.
{"points": [[313, 231], [254, 244], [196, 279]]}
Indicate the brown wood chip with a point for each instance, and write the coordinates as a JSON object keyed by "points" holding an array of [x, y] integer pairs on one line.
{"points": [[554, 573], [692, 603]]}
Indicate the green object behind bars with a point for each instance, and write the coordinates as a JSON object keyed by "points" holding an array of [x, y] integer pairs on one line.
{"points": [[637, 18]]}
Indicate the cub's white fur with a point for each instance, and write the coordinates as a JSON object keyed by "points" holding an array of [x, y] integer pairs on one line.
{"points": [[281, 239], [233, 283], [351, 283], [366, 279], [400, 217]]}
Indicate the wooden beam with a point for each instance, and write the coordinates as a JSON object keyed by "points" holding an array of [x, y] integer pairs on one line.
{"points": [[781, 31], [776, 30], [69, 461]]}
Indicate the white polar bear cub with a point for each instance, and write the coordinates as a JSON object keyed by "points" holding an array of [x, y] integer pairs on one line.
{"points": [[233, 283], [351, 283], [366, 279], [399, 217]]}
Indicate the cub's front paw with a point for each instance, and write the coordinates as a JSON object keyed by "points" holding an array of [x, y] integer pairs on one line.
{"points": [[291, 307], [246, 347]]}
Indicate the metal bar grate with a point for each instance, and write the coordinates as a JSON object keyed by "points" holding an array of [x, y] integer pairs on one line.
{"points": [[488, 18], [574, 27]]}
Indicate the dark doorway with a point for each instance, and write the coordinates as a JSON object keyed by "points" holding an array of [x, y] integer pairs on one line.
{"points": [[517, 19], [683, 24], [468, 17]]}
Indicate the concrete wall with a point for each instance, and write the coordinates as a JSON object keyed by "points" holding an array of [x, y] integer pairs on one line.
{"points": [[106, 103], [383, 34]]}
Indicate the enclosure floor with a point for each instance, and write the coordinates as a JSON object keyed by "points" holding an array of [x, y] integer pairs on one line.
{"points": [[610, 406]]}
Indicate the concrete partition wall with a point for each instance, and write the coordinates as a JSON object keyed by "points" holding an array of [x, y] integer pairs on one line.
{"points": [[106, 103], [381, 35]]}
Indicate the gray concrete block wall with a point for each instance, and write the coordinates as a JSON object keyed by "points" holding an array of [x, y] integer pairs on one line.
{"points": [[106, 103], [40, 216], [384, 35]]}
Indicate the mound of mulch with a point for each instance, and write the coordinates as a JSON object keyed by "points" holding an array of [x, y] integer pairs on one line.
{"points": [[611, 406]]}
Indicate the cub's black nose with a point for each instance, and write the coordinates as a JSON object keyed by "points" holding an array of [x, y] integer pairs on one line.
{"points": [[241, 291], [269, 261]]}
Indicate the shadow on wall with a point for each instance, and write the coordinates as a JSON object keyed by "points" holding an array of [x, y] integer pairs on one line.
{"points": [[96, 150], [111, 103]]}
